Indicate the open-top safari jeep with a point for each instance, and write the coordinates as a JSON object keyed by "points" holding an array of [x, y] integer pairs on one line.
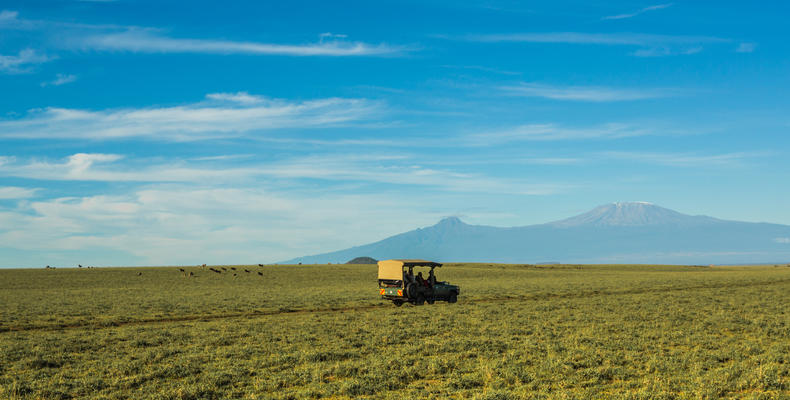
{"points": [[398, 283]]}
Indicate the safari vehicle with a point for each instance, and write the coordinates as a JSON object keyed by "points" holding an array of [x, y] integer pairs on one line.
{"points": [[398, 283]]}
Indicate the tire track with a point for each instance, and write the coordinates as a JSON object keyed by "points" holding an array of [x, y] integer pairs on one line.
{"points": [[254, 314]]}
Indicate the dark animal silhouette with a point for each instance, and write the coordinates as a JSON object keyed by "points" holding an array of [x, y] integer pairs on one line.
{"points": [[79, 265], [247, 271], [139, 274], [224, 269], [260, 265], [260, 273], [233, 268]]}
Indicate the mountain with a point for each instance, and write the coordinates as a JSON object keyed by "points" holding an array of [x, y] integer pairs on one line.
{"points": [[624, 232]]}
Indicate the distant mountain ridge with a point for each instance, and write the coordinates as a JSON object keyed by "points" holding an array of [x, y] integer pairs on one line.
{"points": [[623, 232]]}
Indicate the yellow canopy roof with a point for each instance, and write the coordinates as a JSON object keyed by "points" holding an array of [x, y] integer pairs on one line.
{"points": [[393, 269]]}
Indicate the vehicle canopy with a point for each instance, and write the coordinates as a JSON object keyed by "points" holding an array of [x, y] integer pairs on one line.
{"points": [[393, 269]]}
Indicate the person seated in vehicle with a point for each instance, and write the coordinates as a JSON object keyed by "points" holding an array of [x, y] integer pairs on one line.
{"points": [[408, 277], [421, 281], [431, 279]]}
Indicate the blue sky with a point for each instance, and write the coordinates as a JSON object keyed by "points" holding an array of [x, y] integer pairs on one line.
{"points": [[151, 133]]}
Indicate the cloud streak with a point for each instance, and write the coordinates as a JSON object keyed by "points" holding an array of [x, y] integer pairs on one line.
{"points": [[60, 79], [653, 45], [15, 192], [682, 159], [552, 132], [376, 169], [22, 62], [150, 41], [222, 115], [641, 11], [585, 93], [627, 39]]}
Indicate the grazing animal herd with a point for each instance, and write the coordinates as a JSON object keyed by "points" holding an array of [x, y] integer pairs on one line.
{"points": [[191, 274]]}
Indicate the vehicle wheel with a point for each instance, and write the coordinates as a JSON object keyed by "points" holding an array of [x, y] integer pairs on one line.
{"points": [[397, 303], [412, 290], [420, 300], [431, 300], [452, 298]]}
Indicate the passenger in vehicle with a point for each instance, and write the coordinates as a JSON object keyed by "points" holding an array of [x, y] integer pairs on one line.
{"points": [[421, 281]]}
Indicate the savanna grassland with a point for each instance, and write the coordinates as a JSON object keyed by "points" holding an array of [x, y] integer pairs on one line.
{"points": [[517, 331]]}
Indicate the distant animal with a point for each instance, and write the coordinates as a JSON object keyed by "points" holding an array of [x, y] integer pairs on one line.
{"points": [[301, 263], [233, 268], [204, 265], [260, 273], [191, 274], [79, 265], [234, 275], [260, 265], [139, 274], [224, 269], [181, 269], [247, 271]]}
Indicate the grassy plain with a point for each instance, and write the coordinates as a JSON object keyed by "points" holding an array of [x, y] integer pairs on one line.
{"points": [[560, 331]]}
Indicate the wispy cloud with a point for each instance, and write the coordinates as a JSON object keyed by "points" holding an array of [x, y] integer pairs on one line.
{"points": [[238, 97], [15, 192], [386, 169], [653, 45], [226, 114], [549, 132], [782, 240], [60, 79], [586, 93], [641, 11], [663, 51], [150, 41], [632, 39], [482, 68], [22, 62], [683, 159], [746, 47]]}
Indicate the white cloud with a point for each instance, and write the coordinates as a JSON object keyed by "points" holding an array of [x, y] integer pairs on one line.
{"points": [[746, 47], [60, 79], [149, 41], [586, 93], [21, 63], [166, 225], [652, 45], [641, 11], [666, 51], [14, 192], [372, 169], [7, 16], [330, 35], [628, 39], [547, 132], [782, 240], [238, 97], [683, 159], [239, 115]]}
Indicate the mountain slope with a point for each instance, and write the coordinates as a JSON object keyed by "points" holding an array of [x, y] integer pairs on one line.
{"points": [[632, 232]]}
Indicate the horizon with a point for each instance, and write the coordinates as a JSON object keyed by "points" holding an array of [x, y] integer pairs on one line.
{"points": [[276, 131]]}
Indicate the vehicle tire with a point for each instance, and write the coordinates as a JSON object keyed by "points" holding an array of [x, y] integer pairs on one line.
{"points": [[431, 300], [412, 290], [420, 300], [452, 298], [397, 303]]}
